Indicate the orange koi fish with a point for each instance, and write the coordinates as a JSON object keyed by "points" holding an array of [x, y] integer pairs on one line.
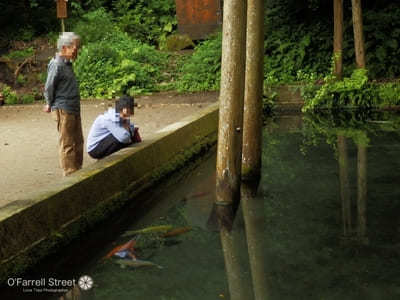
{"points": [[177, 231], [128, 246]]}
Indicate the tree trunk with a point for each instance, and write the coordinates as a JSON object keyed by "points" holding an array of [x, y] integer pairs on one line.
{"points": [[229, 150], [358, 34], [338, 38]]}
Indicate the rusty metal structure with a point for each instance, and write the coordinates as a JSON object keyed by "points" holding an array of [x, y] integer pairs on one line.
{"points": [[198, 18]]}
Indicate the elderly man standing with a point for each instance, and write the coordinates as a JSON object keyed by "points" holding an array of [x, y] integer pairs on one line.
{"points": [[63, 99]]}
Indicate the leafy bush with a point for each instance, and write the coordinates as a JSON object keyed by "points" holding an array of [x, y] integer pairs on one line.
{"points": [[27, 98], [202, 70], [350, 91], [116, 63], [290, 49], [21, 79], [353, 91], [96, 26], [148, 21], [388, 94], [382, 37], [298, 36], [10, 96], [20, 54]]}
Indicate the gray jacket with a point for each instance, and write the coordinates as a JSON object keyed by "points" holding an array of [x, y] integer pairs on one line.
{"points": [[62, 90]]}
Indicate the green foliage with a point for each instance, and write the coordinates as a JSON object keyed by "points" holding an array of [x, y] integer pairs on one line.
{"points": [[97, 26], [21, 79], [42, 77], [353, 91], [19, 54], [111, 62], [293, 44], [326, 126], [26, 34], [382, 36], [291, 51], [27, 98], [24, 20], [149, 21], [10, 96], [298, 37], [388, 94], [202, 70]]}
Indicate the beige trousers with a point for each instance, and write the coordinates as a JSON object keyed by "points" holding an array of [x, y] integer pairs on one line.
{"points": [[70, 140]]}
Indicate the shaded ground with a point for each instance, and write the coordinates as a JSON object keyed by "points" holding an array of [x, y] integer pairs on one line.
{"points": [[29, 139]]}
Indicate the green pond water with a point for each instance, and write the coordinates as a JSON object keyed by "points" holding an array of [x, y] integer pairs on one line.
{"points": [[324, 224]]}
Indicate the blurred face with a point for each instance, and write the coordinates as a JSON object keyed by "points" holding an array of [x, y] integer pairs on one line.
{"points": [[71, 51], [76, 47], [126, 113]]}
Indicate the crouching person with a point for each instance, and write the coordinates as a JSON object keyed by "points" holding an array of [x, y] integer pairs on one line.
{"points": [[112, 130]]}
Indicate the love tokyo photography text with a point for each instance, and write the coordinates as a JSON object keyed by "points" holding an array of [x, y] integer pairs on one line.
{"points": [[49, 285]]}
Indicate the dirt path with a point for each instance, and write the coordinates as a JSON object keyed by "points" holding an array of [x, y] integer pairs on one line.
{"points": [[28, 137]]}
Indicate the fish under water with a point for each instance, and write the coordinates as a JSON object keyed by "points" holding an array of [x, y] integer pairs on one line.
{"points": [[127, 246], [177, 231], [151, 229], [136, 263]]}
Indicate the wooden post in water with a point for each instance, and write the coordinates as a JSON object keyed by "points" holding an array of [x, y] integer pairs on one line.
{"points": [[338, 38], [344, 185], [252, 119], [253, 209], [229, 150], [359, 46]]}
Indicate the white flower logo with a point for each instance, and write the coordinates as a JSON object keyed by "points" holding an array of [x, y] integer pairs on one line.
{"points": [[85, 282]]}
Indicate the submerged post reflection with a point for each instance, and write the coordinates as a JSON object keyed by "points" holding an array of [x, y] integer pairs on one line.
{"points": [[254, 218], [231, 250], [362, 193]]}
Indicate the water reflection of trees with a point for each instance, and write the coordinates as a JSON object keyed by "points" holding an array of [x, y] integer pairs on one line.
{"points": [[360, 233], [307, 198], [336, 129], [357, 125]]}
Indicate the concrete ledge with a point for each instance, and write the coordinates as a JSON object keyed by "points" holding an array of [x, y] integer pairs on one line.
{"points": [[34, 227]]}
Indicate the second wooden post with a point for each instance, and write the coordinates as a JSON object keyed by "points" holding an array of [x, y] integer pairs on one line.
{"points": [[229, 150]]}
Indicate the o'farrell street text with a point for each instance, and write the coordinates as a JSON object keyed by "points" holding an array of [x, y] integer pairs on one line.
{"points": [[42, 282]]}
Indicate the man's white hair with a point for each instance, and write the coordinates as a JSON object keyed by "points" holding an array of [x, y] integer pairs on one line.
{"points": [[66, 39]]}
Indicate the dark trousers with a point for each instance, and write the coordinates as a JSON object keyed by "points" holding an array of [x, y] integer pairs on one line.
{"points": [[107, 146]]}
